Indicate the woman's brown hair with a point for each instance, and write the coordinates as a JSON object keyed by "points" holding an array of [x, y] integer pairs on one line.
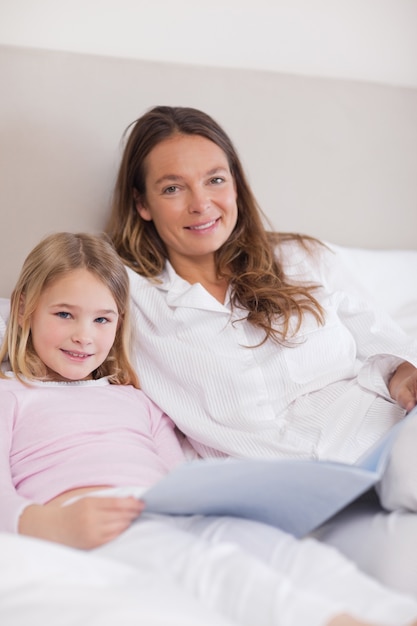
{"points": [[52, 258], [247, 260]]}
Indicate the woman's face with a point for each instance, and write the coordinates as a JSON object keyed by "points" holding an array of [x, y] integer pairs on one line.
{"points": [[190, 197]]}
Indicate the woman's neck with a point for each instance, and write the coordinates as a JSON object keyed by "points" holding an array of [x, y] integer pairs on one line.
{"points": [[203, 272]]}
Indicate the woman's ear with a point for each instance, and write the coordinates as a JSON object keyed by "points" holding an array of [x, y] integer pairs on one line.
{"points": [[140, 206]]}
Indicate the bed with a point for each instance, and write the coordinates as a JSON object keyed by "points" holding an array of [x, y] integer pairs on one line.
{"points": [[331, 158]]}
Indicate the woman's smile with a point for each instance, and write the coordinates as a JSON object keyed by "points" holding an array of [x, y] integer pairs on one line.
{"points": [[204, 227]]}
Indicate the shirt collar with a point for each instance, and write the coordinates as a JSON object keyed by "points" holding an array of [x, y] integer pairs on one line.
{"points": [[181, 293]]}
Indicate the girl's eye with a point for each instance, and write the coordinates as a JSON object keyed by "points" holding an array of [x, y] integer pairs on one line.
{"points": [[101, 320], [64, 315]]}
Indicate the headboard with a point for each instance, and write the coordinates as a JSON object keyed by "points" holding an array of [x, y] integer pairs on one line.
{"points": [[333, 158]]}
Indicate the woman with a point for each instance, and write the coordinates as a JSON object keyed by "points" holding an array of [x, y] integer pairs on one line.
{"points": [[255, 343]]}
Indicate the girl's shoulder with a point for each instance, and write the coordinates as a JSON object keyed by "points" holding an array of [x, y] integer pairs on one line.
{"points": [[8, 381], [12, 386]]}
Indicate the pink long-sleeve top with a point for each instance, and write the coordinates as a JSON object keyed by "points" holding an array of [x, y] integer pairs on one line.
{"points": [[60, 436]]}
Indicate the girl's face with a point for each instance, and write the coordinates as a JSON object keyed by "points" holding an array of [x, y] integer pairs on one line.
{"points": [[190, 197], [74, 325]]}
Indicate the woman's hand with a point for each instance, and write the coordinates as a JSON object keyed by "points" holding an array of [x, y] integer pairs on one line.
{"points": [[86, 523], [403, 386]]}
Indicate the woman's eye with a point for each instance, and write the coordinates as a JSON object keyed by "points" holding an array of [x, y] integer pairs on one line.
{"points": [[170, 189], [217, 180]]}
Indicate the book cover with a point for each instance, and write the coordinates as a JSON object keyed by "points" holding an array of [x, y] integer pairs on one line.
{"points": [[294, 495]]}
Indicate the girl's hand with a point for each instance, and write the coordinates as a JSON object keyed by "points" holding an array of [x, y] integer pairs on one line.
{"points": [[87, 523], [403, 386]]}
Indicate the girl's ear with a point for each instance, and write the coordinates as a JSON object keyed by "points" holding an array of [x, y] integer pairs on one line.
{"points": [[140, 206]]}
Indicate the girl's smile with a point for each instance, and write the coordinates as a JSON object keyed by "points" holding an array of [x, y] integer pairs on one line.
{"points": [[74, 325]]}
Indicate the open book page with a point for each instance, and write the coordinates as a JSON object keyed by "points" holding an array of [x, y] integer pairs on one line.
{"points": [[296, 496]]}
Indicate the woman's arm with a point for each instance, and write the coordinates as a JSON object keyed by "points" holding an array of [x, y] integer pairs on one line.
{"points": [[403, 385]]}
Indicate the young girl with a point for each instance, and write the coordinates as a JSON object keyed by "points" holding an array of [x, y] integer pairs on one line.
{"points": [[80, 443]]}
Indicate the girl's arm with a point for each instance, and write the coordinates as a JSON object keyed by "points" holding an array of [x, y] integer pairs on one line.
{"points": [[86, 523], [165, 437], [11, 503]]}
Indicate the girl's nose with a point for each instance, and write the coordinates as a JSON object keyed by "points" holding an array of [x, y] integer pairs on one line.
{"points": [[81, 335]]}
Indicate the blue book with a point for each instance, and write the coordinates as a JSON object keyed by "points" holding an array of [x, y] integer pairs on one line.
{"points": [[294, 495]]}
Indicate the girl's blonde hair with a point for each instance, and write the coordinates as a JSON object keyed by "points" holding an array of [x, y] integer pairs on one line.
{"points": [[52, 258], [247, 260]]}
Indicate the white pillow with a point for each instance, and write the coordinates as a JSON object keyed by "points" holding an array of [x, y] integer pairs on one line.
{"points": [[4, 315], [390, 278]]}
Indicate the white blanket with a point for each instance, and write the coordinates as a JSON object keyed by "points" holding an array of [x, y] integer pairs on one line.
{"points": [[48, 584]]}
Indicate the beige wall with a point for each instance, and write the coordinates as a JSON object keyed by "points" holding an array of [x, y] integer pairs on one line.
{"points": [[333, 158], [371, 40]]}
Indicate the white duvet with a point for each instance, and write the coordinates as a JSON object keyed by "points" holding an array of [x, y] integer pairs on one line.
{"points": [[47, 584]]}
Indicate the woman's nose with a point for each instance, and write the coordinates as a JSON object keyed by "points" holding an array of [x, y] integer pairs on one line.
{"points": [[199, 201]]}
